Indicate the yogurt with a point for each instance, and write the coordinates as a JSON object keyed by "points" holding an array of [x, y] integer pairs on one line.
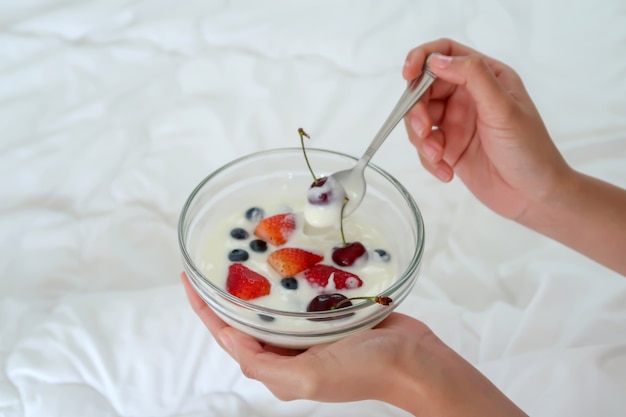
{"points": [[324, 213], [377, 272]]}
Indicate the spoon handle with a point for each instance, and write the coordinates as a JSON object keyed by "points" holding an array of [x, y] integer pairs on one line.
{"points": [[414, 91]]}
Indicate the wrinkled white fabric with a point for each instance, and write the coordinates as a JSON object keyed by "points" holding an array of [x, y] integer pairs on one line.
{"points": [[111, 111]]}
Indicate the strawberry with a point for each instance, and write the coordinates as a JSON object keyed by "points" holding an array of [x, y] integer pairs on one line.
{"points": [[276, 229], [246, 284], [290, 261], [319, 275]]}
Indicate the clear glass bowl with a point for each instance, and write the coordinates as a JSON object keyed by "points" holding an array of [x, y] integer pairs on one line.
{"points": [[280, 173]]}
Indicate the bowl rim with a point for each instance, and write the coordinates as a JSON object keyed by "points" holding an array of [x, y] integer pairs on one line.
{"points": [[406, 275]]}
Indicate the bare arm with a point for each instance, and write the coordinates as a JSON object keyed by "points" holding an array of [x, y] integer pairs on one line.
{"points": [[586, 214]]}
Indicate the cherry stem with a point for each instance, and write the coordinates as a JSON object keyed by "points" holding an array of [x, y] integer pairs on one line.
{"points": [[378, 299], [303, 134], [343, 237]]}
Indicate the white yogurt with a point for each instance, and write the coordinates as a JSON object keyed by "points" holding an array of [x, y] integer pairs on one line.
{"points": [[376, 273], [325, 215]]}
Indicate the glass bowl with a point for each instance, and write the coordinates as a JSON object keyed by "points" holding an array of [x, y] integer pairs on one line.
{"points": [[282, 173]]}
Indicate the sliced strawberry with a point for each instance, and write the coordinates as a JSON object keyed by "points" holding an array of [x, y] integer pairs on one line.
{"points": [[276, 229], [319, 275], [290, 261], [246, 284]]}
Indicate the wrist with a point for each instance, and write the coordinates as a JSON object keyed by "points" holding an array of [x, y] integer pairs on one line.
{"points": [[587, 215], [408, 382], [554, 198], [435, 381]]}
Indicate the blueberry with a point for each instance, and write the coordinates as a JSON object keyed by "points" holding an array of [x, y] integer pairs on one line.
{"points": [[258, 245], [289, 283], [384, 256], [255, 214], [238, 255], [239, 233], [265, 317]]}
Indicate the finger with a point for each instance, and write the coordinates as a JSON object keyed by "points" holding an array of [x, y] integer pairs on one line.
{"points": [[474, 73], [416, 58], [431, 151], [443, 88], [288, 377], [430, 142], [285, 376], [427, 114], [440, 170], [418, 119], [414, 137], [204, 312], [436, 111], [281, 350], [240, 346]]}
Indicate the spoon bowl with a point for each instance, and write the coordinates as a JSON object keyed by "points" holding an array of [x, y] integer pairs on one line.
{"points": [[353, 180]]}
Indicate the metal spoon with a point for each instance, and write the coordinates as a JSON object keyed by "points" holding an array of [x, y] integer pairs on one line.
{"points": [[353, 179]]}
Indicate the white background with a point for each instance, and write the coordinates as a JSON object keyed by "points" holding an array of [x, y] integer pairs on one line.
{"points": [[111, 111]]}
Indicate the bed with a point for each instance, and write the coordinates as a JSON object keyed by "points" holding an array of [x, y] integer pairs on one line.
{"points": [[111, 111]]}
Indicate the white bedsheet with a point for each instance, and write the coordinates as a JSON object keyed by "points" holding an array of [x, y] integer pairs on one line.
{"points": [[111, 111]]}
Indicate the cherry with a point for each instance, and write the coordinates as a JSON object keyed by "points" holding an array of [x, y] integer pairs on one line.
{"points": [[323, 190], [327, 302], [318, 194], [324, 302], [349, 253]]}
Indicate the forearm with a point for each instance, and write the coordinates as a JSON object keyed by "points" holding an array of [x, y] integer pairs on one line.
{"points": [[587, 215], [445, 385]]}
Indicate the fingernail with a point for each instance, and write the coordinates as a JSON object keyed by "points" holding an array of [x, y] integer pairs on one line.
{"points": [[226, 341], [430, 151], [443, 174], [440, 61]]}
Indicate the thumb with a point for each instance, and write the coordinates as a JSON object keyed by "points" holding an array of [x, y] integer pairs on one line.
{"points": [[239, 345], [285, 376], [255, 360], [476, 75]]}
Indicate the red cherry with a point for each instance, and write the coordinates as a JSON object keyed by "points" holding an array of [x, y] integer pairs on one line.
{"points": [[325, 190], [325, 302], [321, 195], [347, 255]]}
